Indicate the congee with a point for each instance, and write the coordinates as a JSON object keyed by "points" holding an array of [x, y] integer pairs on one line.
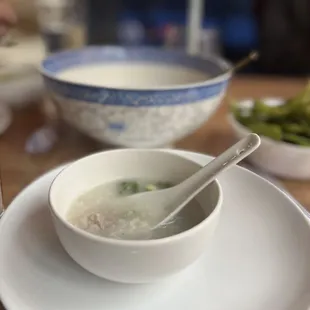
{"points": [[98, 212]]}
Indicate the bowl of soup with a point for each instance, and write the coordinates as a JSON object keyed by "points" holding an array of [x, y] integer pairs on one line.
{"points": [[103, 238], [135, 97]]}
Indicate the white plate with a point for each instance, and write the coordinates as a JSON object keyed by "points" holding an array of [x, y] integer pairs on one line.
{"points": [[259, 260]]}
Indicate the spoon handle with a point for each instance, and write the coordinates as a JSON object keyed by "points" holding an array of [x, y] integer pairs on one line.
{"points": [[192, 186], [230, 157]]}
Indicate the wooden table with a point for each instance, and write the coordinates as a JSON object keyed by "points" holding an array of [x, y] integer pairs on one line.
{"points": [[19, 168]]}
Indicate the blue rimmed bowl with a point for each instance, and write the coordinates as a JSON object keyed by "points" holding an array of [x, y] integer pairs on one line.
{"points": [[135, 97]]}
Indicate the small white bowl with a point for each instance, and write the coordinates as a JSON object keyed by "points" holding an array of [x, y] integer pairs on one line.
{"points": [[278, 158], [131, 261]]}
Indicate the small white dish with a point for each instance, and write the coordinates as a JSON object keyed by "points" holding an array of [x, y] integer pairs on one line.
{"points": [[275, 157], [128, 261], [259, 259]]}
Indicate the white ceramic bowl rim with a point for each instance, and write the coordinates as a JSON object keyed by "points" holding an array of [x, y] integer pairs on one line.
{"points": [[232, 120], [121, 242], [223, 67]]}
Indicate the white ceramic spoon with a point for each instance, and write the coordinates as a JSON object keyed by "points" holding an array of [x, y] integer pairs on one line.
{"points": [[177, 197]]}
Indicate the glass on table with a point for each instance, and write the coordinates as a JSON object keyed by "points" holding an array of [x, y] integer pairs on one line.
{"points": [[62, 23]]}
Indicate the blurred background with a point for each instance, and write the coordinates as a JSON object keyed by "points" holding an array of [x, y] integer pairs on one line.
{"points": [[280, 29]]}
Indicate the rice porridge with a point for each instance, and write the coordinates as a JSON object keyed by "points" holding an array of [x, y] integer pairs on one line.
{"points": [[98, 213]]}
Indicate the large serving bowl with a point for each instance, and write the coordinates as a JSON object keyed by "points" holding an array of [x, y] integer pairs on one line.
{"points": [[132, 261], [135, 97]]}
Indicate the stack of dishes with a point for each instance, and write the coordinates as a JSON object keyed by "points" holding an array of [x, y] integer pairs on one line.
{"points": [[20, 81]]}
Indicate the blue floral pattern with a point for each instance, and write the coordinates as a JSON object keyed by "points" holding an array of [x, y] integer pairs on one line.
{"points": [[134, 98], [131, 127], [107, 96]]}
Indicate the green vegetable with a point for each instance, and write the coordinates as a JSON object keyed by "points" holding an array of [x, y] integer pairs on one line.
{"points": [[269, 130], [129, 188], [133, 187], [151, 187], [163, 185], [294, 128], [295, 139], [158, 186], [260, 110], [289, 122]]}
